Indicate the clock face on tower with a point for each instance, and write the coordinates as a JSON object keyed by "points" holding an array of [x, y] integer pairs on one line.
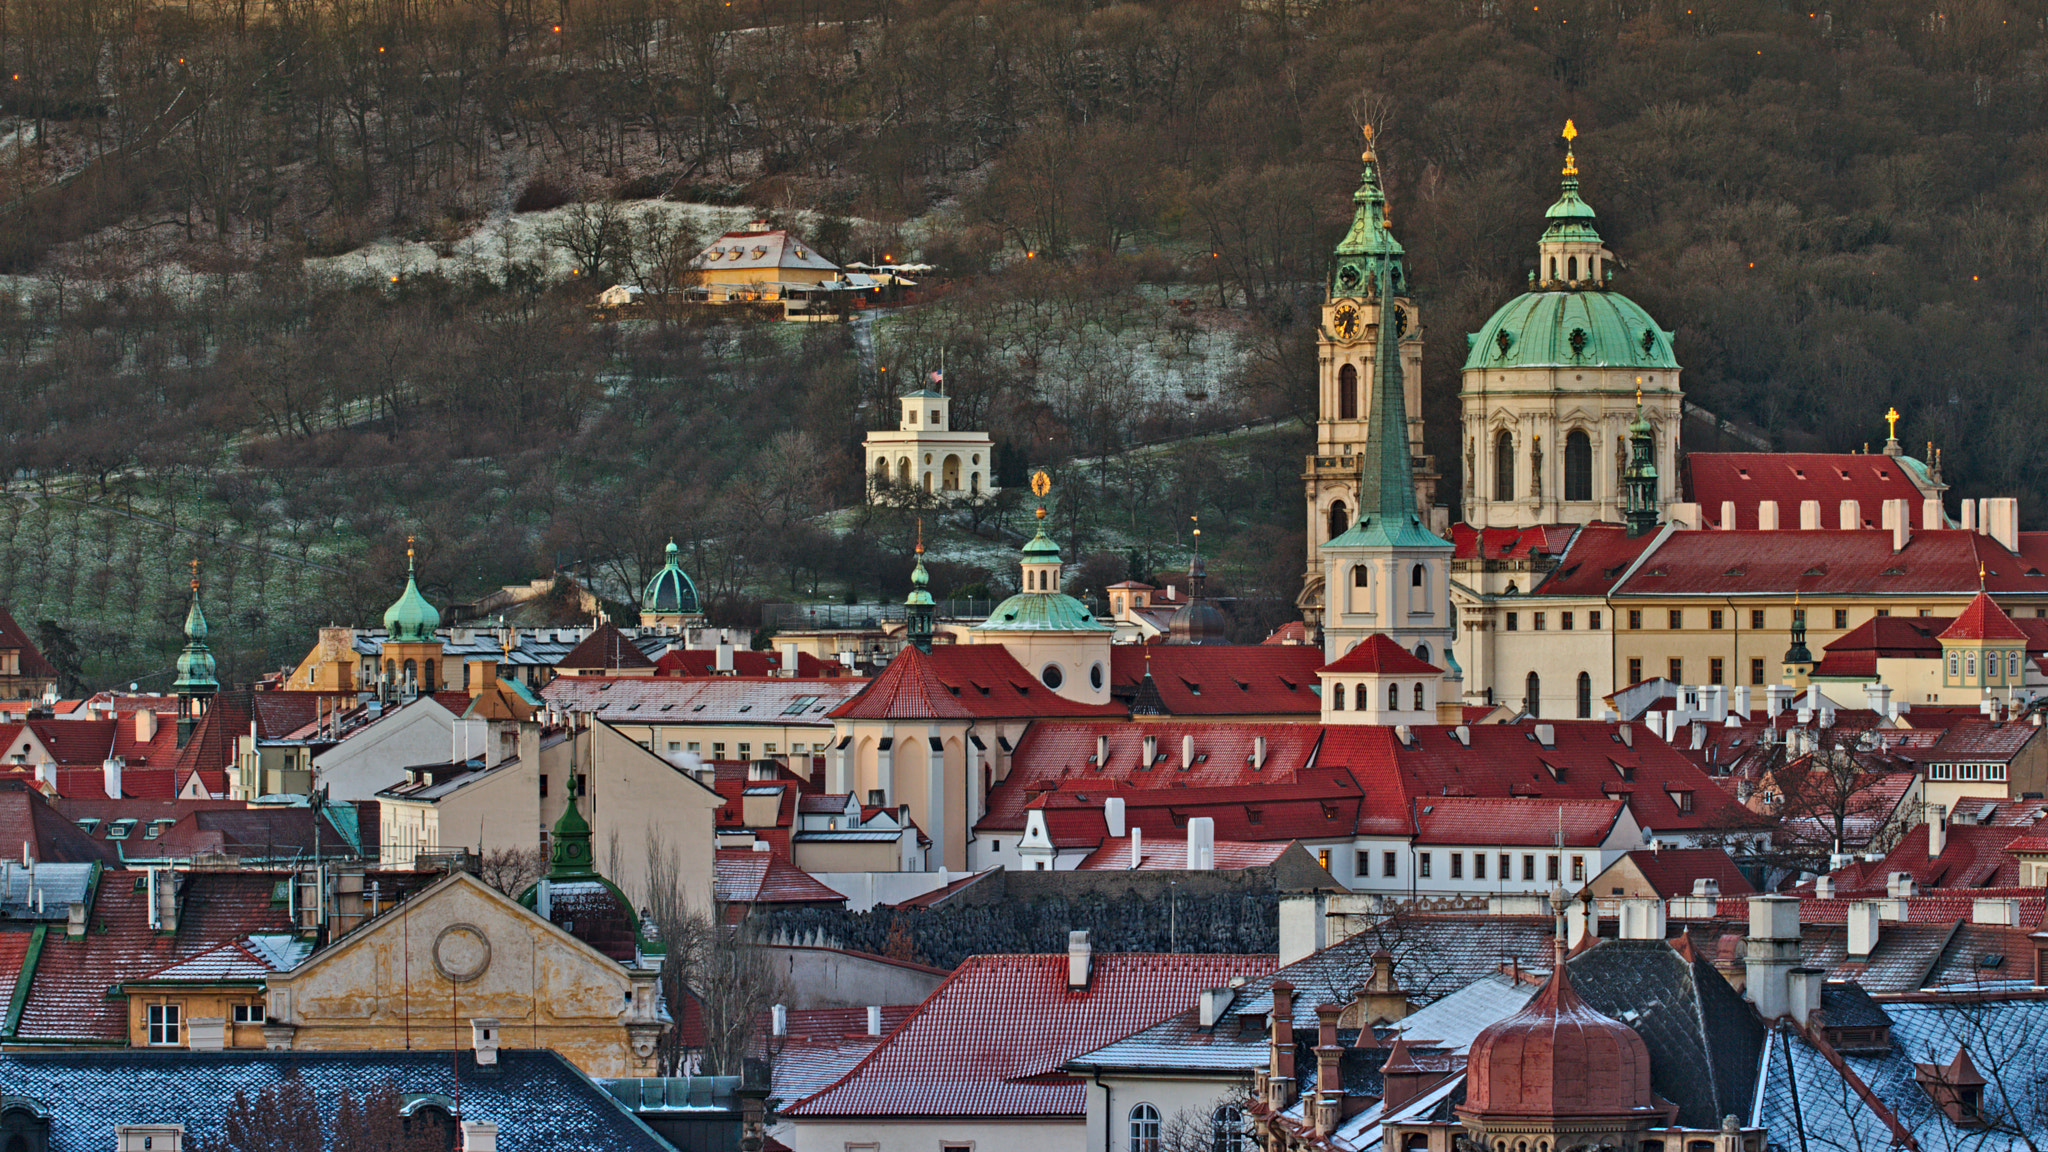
{"points": [[1345, 322]]}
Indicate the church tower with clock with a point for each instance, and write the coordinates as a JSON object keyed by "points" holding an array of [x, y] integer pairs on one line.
{"points": [[1348, 346]]}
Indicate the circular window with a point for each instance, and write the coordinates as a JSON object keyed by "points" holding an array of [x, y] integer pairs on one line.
{"points": [[462, 952], [1095, 676], [1052, 676]]}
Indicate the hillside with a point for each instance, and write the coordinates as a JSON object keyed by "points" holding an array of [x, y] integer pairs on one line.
{"points": [[309, 278]]}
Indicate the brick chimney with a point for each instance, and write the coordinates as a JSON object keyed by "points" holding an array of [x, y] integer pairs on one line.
{"points": [[145, 725], [1079, 958], [1280, 1077]]}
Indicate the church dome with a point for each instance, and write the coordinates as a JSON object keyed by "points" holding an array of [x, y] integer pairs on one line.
{"points": [[671, 592], [1559, 1058], [195, 664], [410, 619], [1594, 328], [1047, 610]]}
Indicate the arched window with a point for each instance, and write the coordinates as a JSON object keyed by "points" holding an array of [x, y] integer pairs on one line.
{"points": [[1553, 267], [903, 470], [1347, 393], [1422, 653], [412, 673], [1144, 1129], [1418, 584], [429, 684], [1504, 466], [1533, 695], [1578, 465], [1571, 266], [1340, 518], [1415, 576], [1227, 1130], [1418, 696], [1336, 697], [881, 469], [1585, 696], [1393, 697], [1360, 575]]}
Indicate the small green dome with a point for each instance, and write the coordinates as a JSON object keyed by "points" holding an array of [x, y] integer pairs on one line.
{"points": [[1042, 612], [920, 584], [410, 619], [1586, 329], [671, 592], [1041, 550]]}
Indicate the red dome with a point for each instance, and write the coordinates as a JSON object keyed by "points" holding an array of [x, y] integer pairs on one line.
{"points": [[1559, 1058]]}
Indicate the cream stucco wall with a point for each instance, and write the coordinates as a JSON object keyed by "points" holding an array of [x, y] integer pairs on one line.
{"points": [[893, 1135]]}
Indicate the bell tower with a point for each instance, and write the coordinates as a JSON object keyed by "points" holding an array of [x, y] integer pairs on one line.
{"points": [[1367, 283]]}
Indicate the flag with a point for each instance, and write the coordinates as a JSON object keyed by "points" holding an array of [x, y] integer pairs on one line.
{"points": [[939, 376]]}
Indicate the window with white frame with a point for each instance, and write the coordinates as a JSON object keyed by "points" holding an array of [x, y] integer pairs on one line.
{"points": [[1144, 1128], [164, 1020], [248, 1014], [1227, 1130]]}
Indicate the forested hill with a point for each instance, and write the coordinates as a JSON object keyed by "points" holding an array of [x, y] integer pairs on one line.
{"points": [[1837, 209]]}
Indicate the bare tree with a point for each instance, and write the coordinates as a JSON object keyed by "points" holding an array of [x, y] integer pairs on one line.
{"points": [[597, 236], [720, 966], [513, 870]]}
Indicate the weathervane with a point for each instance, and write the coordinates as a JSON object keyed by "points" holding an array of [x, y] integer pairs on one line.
{"points": [[1571, 133], [1040, 485]]}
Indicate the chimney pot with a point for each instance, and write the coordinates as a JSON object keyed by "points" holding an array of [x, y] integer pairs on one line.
{"points": [[483, 1033]]}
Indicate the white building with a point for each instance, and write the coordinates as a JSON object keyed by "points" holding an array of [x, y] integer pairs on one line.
{"points": [[925, 451]]}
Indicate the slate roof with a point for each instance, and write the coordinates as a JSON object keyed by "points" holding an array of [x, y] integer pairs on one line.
{"points": [[746, 877], [990, 1040], [1703, 1038], [772, 248], [1222, 679], [1748, 478], [761, 701], [536, 1098], [1803, 1091], [960, 681]]}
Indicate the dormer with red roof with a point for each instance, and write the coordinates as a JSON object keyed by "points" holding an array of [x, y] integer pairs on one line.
{"points": [[1379, 682], [1983, 649]]}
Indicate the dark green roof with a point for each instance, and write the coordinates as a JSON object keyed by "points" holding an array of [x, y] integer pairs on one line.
{"points": [[1539, 326], [671, 592], [411, 619], [1042, 612]]}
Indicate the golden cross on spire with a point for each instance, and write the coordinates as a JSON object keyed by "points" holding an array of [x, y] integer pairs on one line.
{"points": [[1571, 133], [1891, 419]]}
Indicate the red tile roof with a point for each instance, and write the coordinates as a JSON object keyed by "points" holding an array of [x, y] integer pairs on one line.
{"points": [[1161, 854], [1976, 856], [1378, 653], [1983, 620], [31, 657], [1469, 543], [991, 1039], [1593, 561], [27, 818], [1829, 562], [1294, 632], [746, 877], [1672, 871], [1222, 679], [1749, 478], [1494, 820], [960, 681], [605, 647], [212, 745]]}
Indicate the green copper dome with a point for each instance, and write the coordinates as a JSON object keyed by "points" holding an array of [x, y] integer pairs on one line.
{"points": [[410, 619], [196, 669], [671, 592], [1589, 329], [1040, 549], [1042, 612]]}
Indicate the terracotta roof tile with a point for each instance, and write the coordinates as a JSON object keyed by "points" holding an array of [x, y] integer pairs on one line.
{"points": [[605, 647], [746, 877], [1672, 871], [1495, 820], [1983, 620], [1222, 679], [31, 657], [1378, 653], [1594, 561], [1746, 479], [959, 681]]}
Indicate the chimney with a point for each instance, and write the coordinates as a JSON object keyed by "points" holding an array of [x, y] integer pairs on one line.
{"points": [[1931, 518], [1969, 515], [1151, 752], [1329, 1082], [1642, 918], [875, 1010], [1741, 702], [1187, 751], [790, 662], [1770, 953], [1101, 750], [483, 1041], [1900, 886], [1993, 910], [111, 770], [346, 910], [1809, 515], [1852, 515], [723, 662], [1777, 697], [1707, 887], [1937, 830], [145, 725], [74, 920], [1805, 986], [1281, 1067], [1214, 1001], [1824, 887], [1901, 523], [780, 1017], [483, 676], [1727, 514], [46, 774], [1113, 816], [1137, 847], [1879, 696], [1767, 515], [2004, 514], [1864, 927], [479, 1136], [1201, 844], [165, 885], [1078, 957], [1258, 751]]}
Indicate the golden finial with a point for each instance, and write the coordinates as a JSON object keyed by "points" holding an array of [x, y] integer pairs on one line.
{"points": [[1571, 133], [1891, 419], [1040, 485], [1639, 395], [195, 574], [1367, 154], [920, 535]]}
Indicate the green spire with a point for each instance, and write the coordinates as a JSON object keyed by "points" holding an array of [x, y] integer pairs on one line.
{"points": [[1386, 486], [918, 605], [1798, 652], [571, 859], [1369, 248], [1640, 481], [1570, 218], [195, 665], [411, 619]]}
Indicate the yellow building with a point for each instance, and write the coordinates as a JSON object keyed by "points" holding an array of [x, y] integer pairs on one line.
{"points": [[758, 263]]}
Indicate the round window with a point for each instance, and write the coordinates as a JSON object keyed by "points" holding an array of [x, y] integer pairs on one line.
{"points": [[1052, 676], [1095, 676]]}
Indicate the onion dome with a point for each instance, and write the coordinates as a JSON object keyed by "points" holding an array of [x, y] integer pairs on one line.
{"points": [[410, 619], [918, 607], [197, 675], [1558, 1058], [1197, 621], [671, 592]]}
